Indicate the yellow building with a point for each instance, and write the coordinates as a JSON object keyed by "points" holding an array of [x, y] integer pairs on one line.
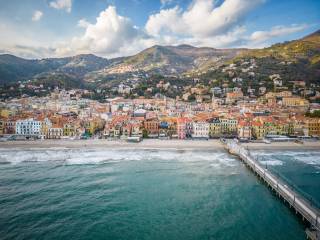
{"points": [[284, 94], [5, 113], [69, 129], [258, 130], [215, 128], [295, 102], [270, 95], [93, 124], [313, 125]]}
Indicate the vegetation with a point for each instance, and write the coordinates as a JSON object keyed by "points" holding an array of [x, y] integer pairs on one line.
{"points": [[179, 66], [314, 114]]}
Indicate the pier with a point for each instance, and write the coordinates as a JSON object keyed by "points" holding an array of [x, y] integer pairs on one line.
{"points": [[300, 205]]}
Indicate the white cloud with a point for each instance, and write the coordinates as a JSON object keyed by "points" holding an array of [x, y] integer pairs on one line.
{"points": [[235, 37], [83, 23], [62, 4], [106, 36], [204, 18], [37, 15], [203, 24], [277, 31], [167, 21]]}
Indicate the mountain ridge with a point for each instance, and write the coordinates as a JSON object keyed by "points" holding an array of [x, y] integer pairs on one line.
{"points": [[158, 59]]}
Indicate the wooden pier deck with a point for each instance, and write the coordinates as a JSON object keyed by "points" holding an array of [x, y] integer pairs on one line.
{"points": [[296, 201]]}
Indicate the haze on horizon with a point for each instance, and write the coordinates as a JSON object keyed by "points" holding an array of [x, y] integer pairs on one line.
{"points": [[112, 28]]}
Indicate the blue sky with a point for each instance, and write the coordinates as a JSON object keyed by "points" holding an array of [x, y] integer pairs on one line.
{"points": [[111, 28]]}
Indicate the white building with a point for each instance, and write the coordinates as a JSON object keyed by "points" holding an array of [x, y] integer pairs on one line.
{"points": [[124, 89], [28, 127], [200, 130], [55, 133]]}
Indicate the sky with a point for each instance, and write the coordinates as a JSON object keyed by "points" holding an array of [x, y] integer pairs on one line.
{"points": [[113, 28]]}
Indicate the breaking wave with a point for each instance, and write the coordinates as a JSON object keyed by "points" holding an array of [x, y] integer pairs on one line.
{"points": [[100, 156], [272, 163], [280, 157]]}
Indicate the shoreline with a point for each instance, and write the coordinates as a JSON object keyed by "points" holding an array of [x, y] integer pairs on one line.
{"points": [[211, 144], [115, 144]]}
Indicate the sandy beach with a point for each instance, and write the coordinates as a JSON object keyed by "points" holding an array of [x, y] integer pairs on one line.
{"points": [[153, 144], [103, 143]]}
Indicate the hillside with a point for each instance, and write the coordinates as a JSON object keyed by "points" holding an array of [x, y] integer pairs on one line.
{"points": [[292, 61], [307, 48], [13, 69], [298, 59], [178, 59]]}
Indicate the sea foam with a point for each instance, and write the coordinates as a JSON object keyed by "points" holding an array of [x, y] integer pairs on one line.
{"points": [[280, 157], [98, 156]]}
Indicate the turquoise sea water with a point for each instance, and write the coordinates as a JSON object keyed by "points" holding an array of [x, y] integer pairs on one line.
{"points": [[299, 168], [137, 194]]}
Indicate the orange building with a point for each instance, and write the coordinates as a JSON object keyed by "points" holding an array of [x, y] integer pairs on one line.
{"points": [[152, 126]]}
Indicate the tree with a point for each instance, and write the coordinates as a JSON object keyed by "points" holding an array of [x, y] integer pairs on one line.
{"points": [[144, 133], [314, 114]]}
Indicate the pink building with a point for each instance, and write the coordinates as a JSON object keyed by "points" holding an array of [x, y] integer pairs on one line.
{"points": [[183, 130]]}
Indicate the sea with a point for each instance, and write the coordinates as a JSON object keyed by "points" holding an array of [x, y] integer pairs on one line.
{"points": [[87, 193]]}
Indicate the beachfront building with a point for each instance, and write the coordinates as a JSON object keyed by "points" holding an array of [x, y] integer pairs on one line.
{"points": [[116, 130], [126, 130], [163, 128], [28, 127], [152, 127], [258, 130], [300, 127], [228, 126], [55, 132], [46, 124], [313, 127], [9, 126], [244, 130], [278, 127], [182, 128], [172, 129], [92, 125], [69, 129], [107, 130], [200, 130], [136, 130], [189, 128], [215, 128]]}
